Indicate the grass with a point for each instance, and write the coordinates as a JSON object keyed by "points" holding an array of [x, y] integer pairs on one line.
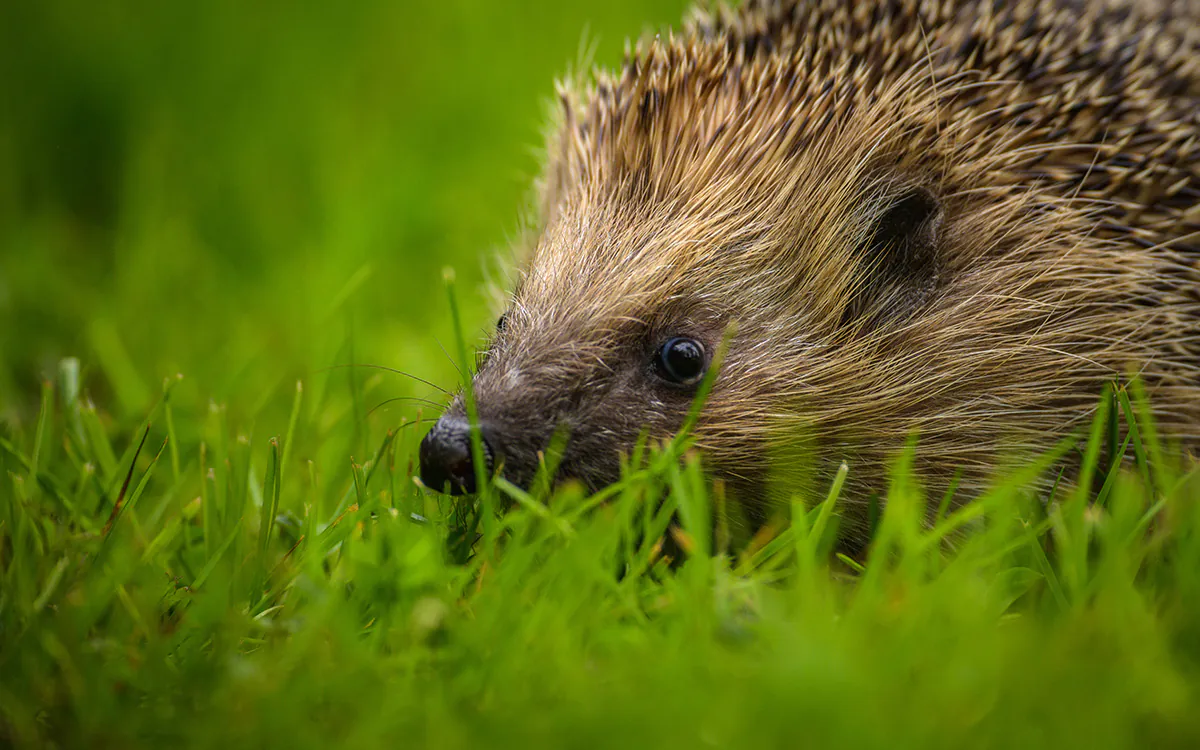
{"points": [[239, 592], [209, 535]]}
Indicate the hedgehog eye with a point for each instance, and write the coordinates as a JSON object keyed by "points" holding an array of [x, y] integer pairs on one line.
{"points": [[681, 360], [502, 323]]}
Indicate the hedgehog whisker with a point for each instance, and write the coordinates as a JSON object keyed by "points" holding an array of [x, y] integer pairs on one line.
{"points": [[425, 401], [424, 420], [392, 370], [452, 362]]}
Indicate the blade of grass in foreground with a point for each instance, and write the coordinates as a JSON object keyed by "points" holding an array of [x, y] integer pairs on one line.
{"points": [[482, 490]]}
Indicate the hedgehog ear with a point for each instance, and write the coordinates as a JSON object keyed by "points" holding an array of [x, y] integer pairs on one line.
{"points": [[899, 258]]}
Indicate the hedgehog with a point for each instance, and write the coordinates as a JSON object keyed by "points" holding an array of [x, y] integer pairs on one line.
{"points": [[950, 219]]}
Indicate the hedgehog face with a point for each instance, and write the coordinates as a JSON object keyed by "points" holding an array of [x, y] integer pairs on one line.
{"points": [[598, 380]]}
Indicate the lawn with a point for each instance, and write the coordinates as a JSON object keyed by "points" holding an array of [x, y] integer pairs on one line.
{"points": [[222, 231]]}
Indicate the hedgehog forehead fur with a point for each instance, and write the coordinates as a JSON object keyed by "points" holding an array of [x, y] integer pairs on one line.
{"points": [[1046, 159]]}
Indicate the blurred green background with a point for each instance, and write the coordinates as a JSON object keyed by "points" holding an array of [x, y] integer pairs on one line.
{"points": [[248, 193]]}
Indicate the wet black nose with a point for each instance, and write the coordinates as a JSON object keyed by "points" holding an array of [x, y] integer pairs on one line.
{"points": [[446, 457]]}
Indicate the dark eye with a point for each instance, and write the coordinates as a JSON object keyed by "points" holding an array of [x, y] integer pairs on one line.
{"points": [[501, 322], [681, 360]]}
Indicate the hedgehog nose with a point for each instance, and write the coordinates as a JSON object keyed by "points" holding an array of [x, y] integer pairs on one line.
{"points": [[446, 457]]}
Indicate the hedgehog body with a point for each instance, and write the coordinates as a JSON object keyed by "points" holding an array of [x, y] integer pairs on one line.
{"points": [[958, 220]]}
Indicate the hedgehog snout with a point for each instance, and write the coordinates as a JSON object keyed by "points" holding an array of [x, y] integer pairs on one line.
{"points": [[445, 454]]}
